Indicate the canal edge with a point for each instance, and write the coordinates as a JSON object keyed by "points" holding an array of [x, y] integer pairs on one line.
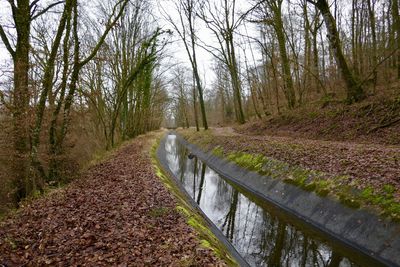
{"points": [[359, 230], [160, 164]]}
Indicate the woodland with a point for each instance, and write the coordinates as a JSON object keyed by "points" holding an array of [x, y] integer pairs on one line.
{"points": [[83, 77], [78, 78]]}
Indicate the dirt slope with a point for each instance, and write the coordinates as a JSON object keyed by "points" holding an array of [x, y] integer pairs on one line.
{"points": [[376, 120]]}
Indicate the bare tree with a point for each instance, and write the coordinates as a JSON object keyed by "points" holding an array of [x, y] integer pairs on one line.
{"points": [[355, 90], [222, 20], [272, 10], [23, 13], [186, 30]]}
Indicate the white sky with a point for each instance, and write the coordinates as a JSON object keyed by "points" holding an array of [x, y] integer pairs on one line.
{"points": [[179, 54], [175, 50]]}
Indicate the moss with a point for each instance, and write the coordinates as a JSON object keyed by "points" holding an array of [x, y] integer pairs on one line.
{"points": [[350, 202], [183, 211], [388, 189], [310, 187], [322, 192], [159, 211], [384, 199], [199, 225], [290, 180], [205, 243], [218, 151], [311, 180], [253, 162]]}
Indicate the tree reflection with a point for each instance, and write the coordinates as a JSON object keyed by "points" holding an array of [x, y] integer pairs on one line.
{"points": [[261, 237], [229, 222], [202, 176]]}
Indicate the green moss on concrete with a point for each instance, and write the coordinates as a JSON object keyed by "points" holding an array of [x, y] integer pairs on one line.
{"points": [[218, 151], [384, 198]]}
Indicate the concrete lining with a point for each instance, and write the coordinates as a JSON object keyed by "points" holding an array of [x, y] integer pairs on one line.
{"points": [[357, 229], [162, 160]]}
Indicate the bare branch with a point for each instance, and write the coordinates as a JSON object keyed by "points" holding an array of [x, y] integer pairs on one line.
{"points": [[6, 42], [33, 16], [33, 4], [110, 25]]}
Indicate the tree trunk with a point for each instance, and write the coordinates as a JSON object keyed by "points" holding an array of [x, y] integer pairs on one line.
{"points": [[371, 13], [307, 53], [355, 91], [396, 25], [287, 76], [24, 184], [197, 76], [47, 87], [196, 116], [233, 69]]}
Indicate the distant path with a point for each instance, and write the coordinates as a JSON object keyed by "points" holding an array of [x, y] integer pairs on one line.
{"points": [[224, 131], [118, 214]]}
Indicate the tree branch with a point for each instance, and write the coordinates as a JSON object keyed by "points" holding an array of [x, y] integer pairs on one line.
{"points": [[33, 17], [6, 42], [105, 33]]}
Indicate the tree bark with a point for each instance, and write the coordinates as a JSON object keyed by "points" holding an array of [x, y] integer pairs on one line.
{"points": [[22, 19], [276, 7], [396, 25], [196, 117], [190, 13], [372, 22], [354, 90], [47, 87]]}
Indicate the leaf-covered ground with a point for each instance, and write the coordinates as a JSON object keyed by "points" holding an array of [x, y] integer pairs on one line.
{"points": [[118, 214], [365, 165], [373, 121]]}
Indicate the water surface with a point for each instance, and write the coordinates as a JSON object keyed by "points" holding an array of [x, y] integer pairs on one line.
{"points": [[262, 237]]}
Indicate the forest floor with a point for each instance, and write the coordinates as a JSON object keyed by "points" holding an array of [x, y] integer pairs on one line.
{"points": [[118, 213], [375, 120], [370, 171]]}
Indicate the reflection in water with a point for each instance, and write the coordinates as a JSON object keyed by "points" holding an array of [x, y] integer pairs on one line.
{"points": [[261, 238]]}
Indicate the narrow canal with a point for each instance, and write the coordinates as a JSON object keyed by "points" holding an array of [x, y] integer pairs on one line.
{"points": [[257, 231]]}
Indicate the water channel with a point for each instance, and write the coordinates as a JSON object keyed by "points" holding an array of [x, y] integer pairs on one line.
{"points": [[255, 229]]}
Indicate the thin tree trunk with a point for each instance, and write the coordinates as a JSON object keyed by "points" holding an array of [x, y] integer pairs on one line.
{"points": [[372, 22], [196, 72], [396, 25], [355, 91], [196, 116], [287, 76], [233, 69]]}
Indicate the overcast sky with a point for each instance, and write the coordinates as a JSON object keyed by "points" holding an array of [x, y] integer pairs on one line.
{"points": [[175, 50], [205, 59]]}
